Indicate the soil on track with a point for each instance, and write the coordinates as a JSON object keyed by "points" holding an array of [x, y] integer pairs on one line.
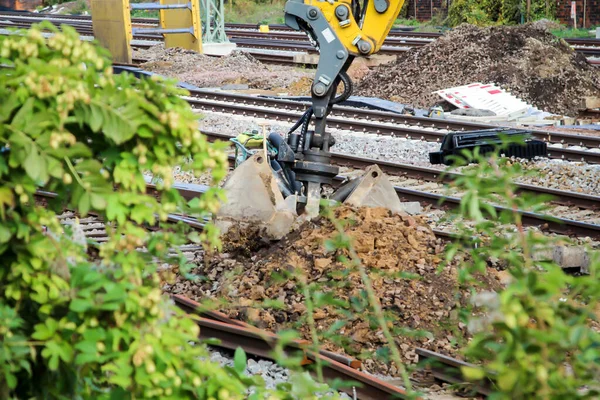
{"points": [[529, 61], [402, 257]]}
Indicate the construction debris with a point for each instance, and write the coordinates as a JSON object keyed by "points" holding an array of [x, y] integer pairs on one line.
{"points": [[533, 64], [401, 255]]}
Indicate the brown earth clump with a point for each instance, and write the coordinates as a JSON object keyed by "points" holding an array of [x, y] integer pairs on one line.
{"points": [[530, 62], [206, 71], [401, 254]]}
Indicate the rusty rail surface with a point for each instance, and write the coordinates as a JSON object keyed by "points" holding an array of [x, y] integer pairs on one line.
{"points": [[233, 334], [447, 369]]}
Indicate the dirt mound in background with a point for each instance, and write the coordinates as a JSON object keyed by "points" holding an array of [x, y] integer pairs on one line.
{"points": [[206, 71], [532, 63], [401, 254]]}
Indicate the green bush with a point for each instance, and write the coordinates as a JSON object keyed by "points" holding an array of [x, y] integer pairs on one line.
{"points": [[75, 325], [536, 338], [489, 12]]}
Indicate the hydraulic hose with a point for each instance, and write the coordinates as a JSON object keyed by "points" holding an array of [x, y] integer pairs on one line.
{"points": [[348, 87]]}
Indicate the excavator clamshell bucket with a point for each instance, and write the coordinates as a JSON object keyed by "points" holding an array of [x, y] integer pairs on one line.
{"points": [[373, 189], [254, 199]]}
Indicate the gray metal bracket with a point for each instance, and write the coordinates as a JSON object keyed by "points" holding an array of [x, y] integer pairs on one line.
{"points": [[158, 6], [158, 31], [333, 54]]}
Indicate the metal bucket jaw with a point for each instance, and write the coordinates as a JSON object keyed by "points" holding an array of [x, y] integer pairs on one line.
{"points": [[372, 189], [254, 198]]}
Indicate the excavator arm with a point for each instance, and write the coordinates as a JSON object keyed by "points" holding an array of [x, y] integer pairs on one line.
{"points": [[286, 182], [342, 30]]}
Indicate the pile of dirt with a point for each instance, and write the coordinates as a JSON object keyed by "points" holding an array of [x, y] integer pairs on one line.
{"points": [[533, 64], [207, 71], [401, 254]]}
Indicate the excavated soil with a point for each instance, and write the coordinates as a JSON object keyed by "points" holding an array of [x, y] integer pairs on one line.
{"points": [[206, 71], [402, 257], [528, 60]]}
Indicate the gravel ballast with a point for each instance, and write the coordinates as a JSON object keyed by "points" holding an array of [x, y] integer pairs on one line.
{"points": [[532, 63], [557, 174]]}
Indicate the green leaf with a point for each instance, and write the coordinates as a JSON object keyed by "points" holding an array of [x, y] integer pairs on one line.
{"points": [[22, 116], [55, 168], [42, 332], [95, 118], [85, 358], [11, 380], [5, 234], [472, 373], [35, 166], [120, 120], [86, 347], [98, 201], [508, 379], [239, 360], [80, 305], [6, 199], [8, 106]]}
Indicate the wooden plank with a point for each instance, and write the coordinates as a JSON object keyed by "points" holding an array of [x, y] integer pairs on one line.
{"points": [[111, 21]]}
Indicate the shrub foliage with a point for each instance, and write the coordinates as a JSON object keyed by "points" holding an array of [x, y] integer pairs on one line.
{"points": [[93, 324]]}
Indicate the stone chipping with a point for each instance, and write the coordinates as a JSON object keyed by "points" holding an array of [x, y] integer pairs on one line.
{"points": [[401, 254], [206, 71]]}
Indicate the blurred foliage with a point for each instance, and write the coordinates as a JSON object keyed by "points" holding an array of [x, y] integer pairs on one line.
{"points": [[501, 12], [537, 338], [95, 325]]}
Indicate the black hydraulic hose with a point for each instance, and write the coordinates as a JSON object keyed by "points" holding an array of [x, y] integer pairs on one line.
{"points": [[301, 120], [306, 122], [348, 87]]}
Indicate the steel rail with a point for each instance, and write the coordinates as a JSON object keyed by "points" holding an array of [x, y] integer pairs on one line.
{"points": [[447, 369], [548, 223], [230, 106], [262, 344], [340, 111], [422, 123], [193, 307], [544, 222], [562, 197], [587, 46]]}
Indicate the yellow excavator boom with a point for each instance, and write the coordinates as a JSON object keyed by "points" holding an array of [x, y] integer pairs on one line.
{"points": [[374, 26]]}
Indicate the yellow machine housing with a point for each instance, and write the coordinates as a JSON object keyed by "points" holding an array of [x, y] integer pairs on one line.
{"points": [[374, 27], [179, 24]]}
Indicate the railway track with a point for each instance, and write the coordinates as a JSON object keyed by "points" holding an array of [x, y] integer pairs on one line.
{"points": [[233, 334], [447, 370], [281, 38], [563, 197], [562, 226], [383, 123]]}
